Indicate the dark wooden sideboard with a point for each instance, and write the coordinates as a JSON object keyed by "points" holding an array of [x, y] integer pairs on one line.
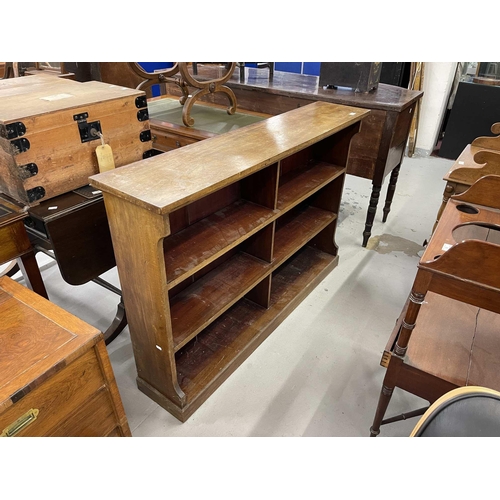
{"points": [[375, 152]]}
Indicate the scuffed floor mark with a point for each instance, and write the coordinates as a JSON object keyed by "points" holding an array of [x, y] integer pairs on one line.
{"points": [[386, 243]]}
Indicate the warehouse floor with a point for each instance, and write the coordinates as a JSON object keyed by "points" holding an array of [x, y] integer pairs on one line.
{"points": [[319, 372]]}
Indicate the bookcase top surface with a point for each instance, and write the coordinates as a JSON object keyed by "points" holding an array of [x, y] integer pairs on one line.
{"points": [[171, 180]]}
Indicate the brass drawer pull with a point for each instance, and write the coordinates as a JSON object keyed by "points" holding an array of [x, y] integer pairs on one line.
{"points": [[22, 422]]}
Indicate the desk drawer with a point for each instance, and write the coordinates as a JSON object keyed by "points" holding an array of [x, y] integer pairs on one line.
{"points": [[167, 141], [58, 397], [95, 418]]}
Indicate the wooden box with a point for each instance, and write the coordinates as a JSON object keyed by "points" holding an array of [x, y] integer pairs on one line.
{"points": [[55, 374], [360, 76], [49, 132]]}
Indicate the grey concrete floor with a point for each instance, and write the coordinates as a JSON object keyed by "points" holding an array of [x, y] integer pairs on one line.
{"points": [[319, 373]]}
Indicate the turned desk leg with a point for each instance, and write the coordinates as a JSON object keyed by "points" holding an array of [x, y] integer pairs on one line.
{"points": [[31, 272], [372, 210], [390, 191], [398, 354]]}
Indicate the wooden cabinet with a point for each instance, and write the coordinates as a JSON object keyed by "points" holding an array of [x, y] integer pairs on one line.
{"points": [[217, 242], [55, 374]]}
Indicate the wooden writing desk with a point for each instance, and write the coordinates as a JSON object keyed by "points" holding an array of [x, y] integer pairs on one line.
{"points": [[375, 152], [169, 131], [217, 242]]}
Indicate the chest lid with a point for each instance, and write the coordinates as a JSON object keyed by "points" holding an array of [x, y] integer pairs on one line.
{"points": [[51, 95]]}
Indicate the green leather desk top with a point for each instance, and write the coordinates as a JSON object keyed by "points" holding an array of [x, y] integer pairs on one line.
{"points": [[206, 118]]}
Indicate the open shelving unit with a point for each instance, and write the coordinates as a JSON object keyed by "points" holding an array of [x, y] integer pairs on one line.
{"points": [[217, 242]]}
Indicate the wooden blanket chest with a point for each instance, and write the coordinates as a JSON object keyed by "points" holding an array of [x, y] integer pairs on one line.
{"points": [[49, 132], [55, 375]]}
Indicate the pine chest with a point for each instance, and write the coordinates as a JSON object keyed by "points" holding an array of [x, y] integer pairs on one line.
{"points": [[49, 131]]}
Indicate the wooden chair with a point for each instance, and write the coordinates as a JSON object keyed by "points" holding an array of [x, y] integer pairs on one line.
{"points": [[451, 315], [480, 158]]}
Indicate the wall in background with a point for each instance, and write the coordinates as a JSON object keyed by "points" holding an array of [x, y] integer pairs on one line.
{"points": [[438, 80], [150, 67], [304, 68]]}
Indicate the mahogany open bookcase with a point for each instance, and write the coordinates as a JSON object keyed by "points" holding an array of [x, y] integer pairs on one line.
{"points": [[217, 242]]}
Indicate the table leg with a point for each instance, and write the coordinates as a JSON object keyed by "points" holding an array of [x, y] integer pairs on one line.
{"points": [[449, 191], [119, 323], [390, 191], [31, 272], [372, 210]]}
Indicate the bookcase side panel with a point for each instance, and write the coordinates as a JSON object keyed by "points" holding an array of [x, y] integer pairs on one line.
{"points": [[138, 245]]}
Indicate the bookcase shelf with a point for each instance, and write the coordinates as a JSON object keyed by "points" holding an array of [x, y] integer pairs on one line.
{"points": [[299, 184], [202, 242], [198, 305], [225, 344], [299, 230], [213, 262]]}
